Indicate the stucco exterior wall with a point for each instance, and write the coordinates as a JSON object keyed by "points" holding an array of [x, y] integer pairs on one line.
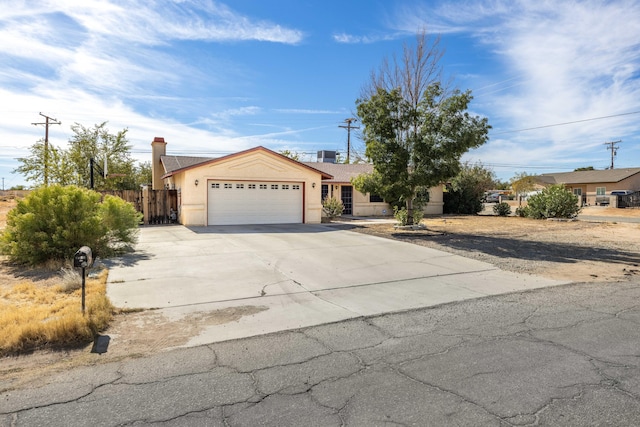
{"points": [[362, 206], [252, 166], [631, 183], [158, 149]]}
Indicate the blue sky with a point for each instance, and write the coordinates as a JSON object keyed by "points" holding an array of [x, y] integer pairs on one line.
{"points": [[215, 77]]}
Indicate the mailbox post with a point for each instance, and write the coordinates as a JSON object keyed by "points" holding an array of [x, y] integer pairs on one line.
{"points": [[83, 259]]}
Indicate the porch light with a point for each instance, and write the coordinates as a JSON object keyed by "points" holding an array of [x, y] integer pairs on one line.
{"points": [[196, 183], [313, 185]]}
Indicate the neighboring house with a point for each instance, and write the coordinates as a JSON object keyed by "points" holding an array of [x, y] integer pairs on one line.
{"points": [[260, 186], [595, 186]]}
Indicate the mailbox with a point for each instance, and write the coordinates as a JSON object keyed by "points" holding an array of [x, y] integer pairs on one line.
{"points": [[83, 257]]}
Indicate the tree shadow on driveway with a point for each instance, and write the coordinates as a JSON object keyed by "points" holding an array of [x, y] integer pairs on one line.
{"points": [[127, 260]]}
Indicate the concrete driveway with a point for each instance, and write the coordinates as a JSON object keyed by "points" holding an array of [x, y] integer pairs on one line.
{"points": [[297, 275]]}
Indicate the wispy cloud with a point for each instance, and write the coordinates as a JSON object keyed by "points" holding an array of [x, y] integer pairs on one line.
{"points": [[572, 60], [66, 54], [365, 39], [305, 111]]}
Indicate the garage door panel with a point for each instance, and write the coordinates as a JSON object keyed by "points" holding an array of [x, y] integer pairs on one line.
{"points": [[233, 202]]}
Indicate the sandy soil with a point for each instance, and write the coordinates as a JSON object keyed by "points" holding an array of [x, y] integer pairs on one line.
{"points": [[580, 251]]}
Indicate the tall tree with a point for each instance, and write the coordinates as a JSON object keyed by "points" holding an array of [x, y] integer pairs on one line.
{"points": [[99, 144], [522, 183], [53, 163], [143, 174], [415, 129]]}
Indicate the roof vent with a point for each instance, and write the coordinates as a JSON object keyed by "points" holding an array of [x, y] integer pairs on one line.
{"points": [[326, 156]]}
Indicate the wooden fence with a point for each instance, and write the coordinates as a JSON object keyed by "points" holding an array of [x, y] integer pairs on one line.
{"points": [[160, 206], [132, 196], [156, 206]]}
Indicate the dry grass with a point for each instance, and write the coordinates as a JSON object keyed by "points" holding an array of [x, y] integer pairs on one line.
{"points": [[33, 316]]}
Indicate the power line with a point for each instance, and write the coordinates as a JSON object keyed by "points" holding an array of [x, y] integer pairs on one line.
{"points": [[614, 149], [568, 123], [348, 127], [48, 121]]}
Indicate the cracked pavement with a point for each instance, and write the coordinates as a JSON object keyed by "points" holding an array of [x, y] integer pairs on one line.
{"points": [[567, 355]]}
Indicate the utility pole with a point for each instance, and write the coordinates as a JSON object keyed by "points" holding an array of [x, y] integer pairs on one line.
{"points": [[48, 121], [614, 149], [348, 127]]}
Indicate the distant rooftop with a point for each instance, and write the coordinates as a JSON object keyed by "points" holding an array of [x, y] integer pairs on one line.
{"points": [[587, 177]]}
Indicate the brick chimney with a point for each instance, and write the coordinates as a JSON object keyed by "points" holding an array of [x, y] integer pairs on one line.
{"points": [[158, 149]]}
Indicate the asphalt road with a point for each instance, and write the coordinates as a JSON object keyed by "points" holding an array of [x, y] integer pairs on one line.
{"points": [[561, 356]]}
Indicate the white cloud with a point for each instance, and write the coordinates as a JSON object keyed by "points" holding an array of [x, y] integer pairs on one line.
{"points": [[81, 60], [560, 61], [365, 39], [306, 111]]}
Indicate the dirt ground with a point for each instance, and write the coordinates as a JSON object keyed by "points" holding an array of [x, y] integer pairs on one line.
{"points": [[579, 251]]}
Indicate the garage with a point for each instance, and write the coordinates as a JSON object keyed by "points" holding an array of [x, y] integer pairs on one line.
{"points": [[254, 202]]}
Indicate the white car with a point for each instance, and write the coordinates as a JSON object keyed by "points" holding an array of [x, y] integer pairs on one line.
{"points": [[492, 198]]}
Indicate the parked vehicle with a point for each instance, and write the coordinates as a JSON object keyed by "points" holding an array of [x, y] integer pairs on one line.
{"points": [[621, 192], [492, 198]]}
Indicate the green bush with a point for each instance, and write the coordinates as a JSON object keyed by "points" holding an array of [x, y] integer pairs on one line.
{"points": [[553, 202], [51, 223], [402, 215], [522, 211], [461, 201], [502, 209], [332, 207]]}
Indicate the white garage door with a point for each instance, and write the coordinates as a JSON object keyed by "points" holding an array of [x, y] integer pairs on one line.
{"points": [[234, 202]]}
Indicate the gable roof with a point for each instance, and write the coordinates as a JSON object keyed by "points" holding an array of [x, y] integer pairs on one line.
{"points": [[177, 164], [588, 177], [341, 173]]}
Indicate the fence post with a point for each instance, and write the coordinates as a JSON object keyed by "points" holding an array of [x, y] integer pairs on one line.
{"points": [[145, 205]]}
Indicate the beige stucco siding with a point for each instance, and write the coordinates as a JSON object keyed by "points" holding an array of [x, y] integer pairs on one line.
{"points": [[363, 207], [251, 166], [631, 183], [436, 201]]}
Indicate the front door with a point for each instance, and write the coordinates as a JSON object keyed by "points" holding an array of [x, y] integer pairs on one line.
{"points": [[347, 199]]}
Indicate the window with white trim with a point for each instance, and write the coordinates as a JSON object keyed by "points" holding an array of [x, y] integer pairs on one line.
{"points": [[241, 186], [252, 186], [285, 186], [274, 186], [215, 185], [296, 187], [228, 186], [263, 186], [601, 191]]}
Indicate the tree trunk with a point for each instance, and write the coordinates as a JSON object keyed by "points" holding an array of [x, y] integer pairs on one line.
{"points": [[410, 212]]}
